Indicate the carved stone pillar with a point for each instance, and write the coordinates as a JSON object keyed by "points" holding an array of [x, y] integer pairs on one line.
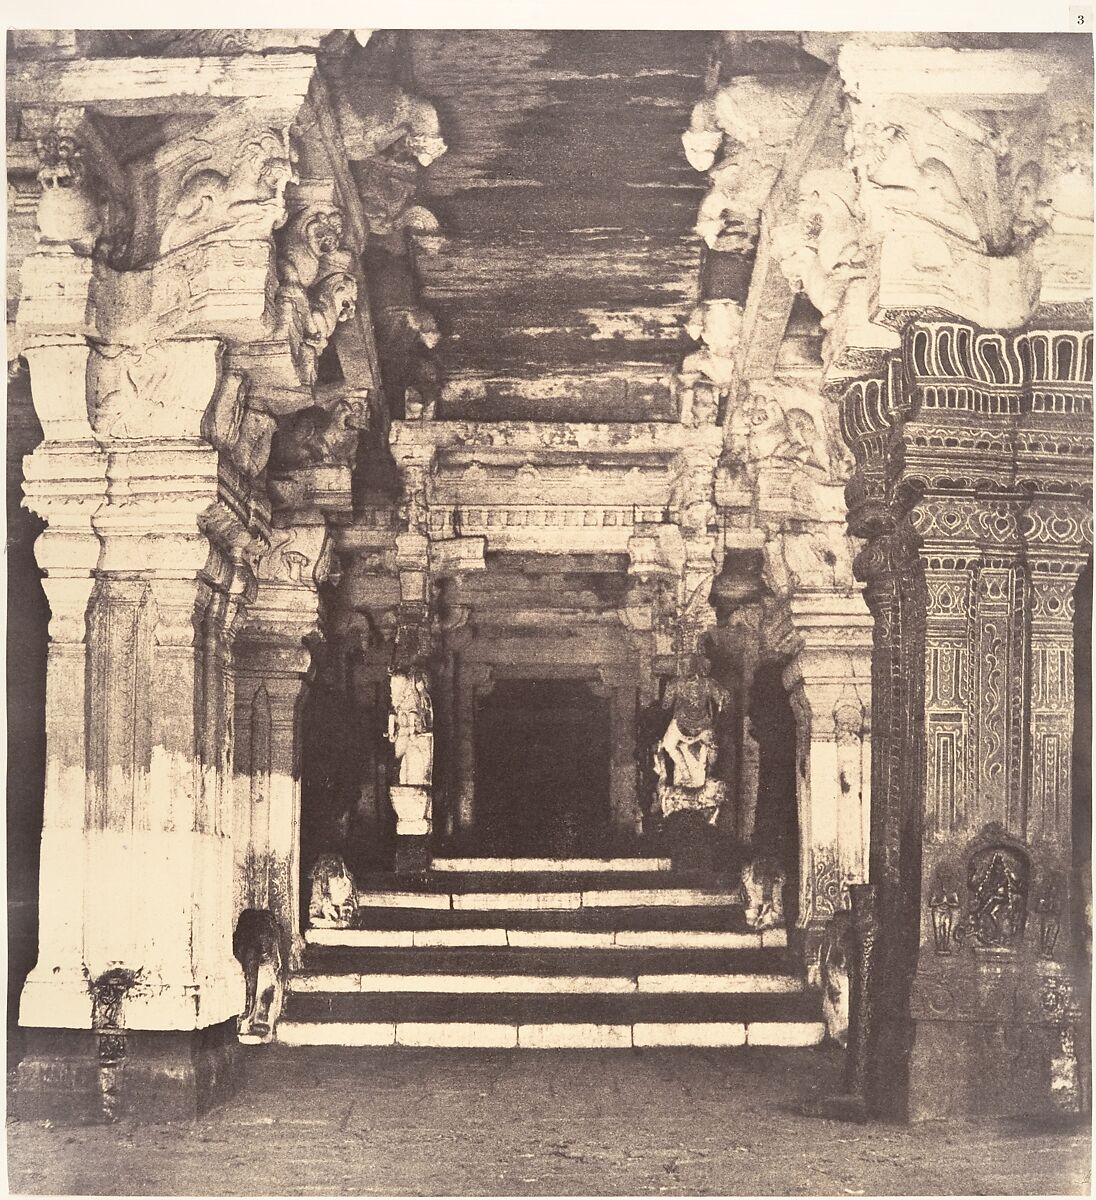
{"points": [[272, 663], [160, 360], [145, 572], [829, 684], [973, 487]]}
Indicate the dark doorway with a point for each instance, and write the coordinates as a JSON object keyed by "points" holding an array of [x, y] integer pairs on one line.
{"points": [[542, 767]]}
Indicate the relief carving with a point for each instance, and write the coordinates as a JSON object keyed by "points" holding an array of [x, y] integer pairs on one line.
{"points": [[319, 435], [750, 122], [244, 203], [69, 211], [997, 878], [156, 390], [820, 251], [687, 750], [389, 135]]}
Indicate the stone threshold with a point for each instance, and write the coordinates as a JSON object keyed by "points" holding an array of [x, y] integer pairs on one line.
{"points": [[550, 1036], [556, 939], [561, 865], [564, 984]]}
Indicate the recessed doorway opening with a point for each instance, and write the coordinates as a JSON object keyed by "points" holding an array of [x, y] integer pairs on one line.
{"points": [[542, 768]]}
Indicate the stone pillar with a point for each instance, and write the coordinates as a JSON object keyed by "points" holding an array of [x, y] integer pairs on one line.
{"points": [[160, 361], [471, 678], [973, 487], [272, 663], [829, 684], [145, 575]]}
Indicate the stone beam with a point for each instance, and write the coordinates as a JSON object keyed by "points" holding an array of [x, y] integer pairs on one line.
{"points": [[130, 86]]}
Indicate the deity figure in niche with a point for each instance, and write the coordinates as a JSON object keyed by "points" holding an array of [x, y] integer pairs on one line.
{"points": [[411, 726], [998, 879], [689, 740]]}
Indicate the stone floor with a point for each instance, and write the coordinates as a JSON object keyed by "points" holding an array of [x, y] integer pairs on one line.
{"points": [[321, 1121]]}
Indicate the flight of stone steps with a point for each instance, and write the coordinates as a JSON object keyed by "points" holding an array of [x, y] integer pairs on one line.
{"points": [[545, 954]]}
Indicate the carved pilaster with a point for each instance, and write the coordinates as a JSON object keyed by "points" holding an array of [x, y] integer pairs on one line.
{"points": [[972, 486]]}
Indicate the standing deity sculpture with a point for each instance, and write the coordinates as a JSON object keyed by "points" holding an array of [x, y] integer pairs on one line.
{"points": [[411, 726]]}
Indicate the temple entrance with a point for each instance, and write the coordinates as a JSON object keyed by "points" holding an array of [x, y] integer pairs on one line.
{"points": [[542, 768]]}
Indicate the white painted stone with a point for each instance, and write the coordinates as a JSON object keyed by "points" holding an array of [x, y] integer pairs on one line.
{"points": [[359, 937], [471, 864], [336, 1033], [783, 984], [784, 1033], [403, 900], [411, 804], [590, 864], [325, 983], [492, 901], [459, 937], [492, 984], [654, 897], [562, 939], [638, 864], [689, 1033], [687, 939], [577, 1036], [456, 1034]]}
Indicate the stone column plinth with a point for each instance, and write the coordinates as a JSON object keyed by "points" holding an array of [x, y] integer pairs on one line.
{"points": [[973, 486]]}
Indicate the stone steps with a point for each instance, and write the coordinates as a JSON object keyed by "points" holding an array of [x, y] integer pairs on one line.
{"points": [[514, 932], [479, 955], [550, 865], [494, 960]]}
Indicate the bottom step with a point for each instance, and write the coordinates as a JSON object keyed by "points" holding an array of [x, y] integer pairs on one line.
{"points": [[549, 1036]]}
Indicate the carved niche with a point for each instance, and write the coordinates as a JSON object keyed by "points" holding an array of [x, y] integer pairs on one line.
{"points": [[998, 879]]}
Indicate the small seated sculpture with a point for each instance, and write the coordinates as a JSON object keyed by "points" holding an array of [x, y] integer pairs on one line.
{"points": [[411, 726], [763, 892], [689, 740], [334, 896], [257, 946]]}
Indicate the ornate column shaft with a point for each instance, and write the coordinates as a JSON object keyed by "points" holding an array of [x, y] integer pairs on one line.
{"points": [[272, 664], [829, 683], [973, 486]]}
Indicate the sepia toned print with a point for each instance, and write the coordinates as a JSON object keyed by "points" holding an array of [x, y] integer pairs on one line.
{"points": [[573, 542]]}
